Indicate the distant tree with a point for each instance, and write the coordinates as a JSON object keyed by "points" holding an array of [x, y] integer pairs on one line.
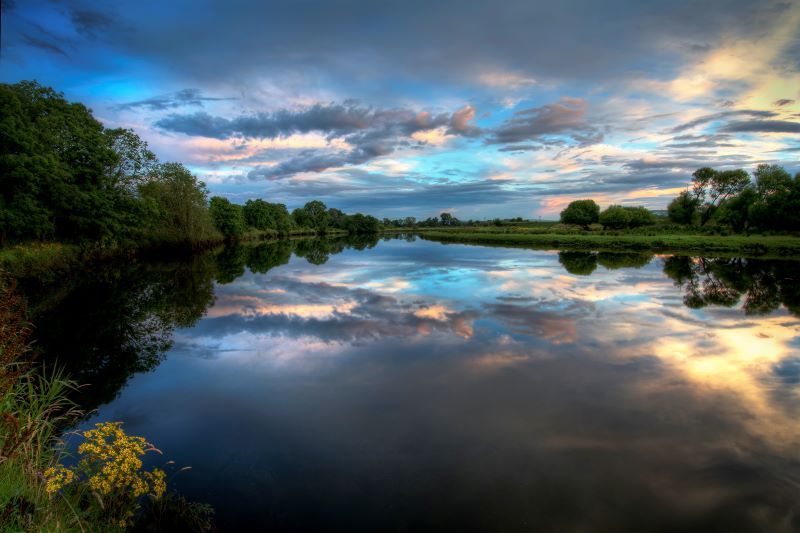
{"points": [[316, 215], [300, 218], [446, 219], [682, 208], [640, 216], [227, 217], [362, 224], [581, 213], [258, 214], [615, 216], [336, 218], [712, 187], [409, 222]]}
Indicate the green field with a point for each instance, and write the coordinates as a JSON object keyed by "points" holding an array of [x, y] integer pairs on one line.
{"points": [[753, 245]]}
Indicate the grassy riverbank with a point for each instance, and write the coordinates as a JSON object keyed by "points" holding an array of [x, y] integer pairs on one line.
{"points": [[753, 245], [46, 260]]}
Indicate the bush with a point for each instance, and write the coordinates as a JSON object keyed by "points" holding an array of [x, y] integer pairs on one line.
{"points": [[581, 213], [615, 216]]}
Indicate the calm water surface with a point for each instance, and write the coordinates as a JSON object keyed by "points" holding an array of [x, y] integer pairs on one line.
{"points": [[419, 386]]}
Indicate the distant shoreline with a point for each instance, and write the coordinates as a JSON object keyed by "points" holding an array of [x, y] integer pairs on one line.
{"points": [[777, 246]]}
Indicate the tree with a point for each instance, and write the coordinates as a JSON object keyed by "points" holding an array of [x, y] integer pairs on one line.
{"points": [[615, 216], [135, 164], [177, 205], [317, 215], [360, 224], [771, 180], [735, 212], [581, 213], [448, 220], [227, 217], [683, 208], [258, 214], [712, 187], [640, 216], [54, 162]]}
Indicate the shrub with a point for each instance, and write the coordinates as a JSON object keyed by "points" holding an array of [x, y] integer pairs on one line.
{"points": [[581, 213]]}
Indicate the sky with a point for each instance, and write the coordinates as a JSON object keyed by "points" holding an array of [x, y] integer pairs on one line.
{"points": [[482, 109]]}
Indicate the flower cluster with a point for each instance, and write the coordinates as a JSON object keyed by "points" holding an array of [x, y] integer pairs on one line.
{"points": [[111, 464], [113, 457], [57, 477]]}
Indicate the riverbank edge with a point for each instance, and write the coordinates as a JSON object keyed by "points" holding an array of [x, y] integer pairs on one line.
{"points": [[783, 247], [49, 259]]}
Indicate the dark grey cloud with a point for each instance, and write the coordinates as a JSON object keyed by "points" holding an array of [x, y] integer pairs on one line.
{"points": [[549, 124], [184, 97], [783, 101], [447, 40], [43, 44], [767, 126], [521, 148], [335, 120], [89, 22], [752, 113]]}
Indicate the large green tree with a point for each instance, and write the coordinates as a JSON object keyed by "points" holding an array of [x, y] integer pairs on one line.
{"points": [[178, 204], [55, 170], [227, 217], [712, 187], [682, 208], [581, 213]]}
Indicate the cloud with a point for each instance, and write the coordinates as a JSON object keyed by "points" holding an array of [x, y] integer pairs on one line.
{"points": [[43, 44], [783, 102], [549, 124], [754, 113], [371, 132], [766, 126], [89, 22], [185, 97]]}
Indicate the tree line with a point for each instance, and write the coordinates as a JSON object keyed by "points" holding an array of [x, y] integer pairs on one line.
{"points": [[584, 213], [64, 177], [770, 201], [730, 199]]}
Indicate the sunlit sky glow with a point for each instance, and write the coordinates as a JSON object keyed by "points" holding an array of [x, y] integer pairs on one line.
{"points": [[391, 108]]}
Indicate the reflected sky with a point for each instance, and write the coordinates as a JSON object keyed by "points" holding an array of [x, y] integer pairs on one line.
{"points": [[417, 385]]}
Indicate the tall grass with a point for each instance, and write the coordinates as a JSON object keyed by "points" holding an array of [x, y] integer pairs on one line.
{"points": [[33, 408]]}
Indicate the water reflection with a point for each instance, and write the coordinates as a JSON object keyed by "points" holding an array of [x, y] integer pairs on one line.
{"points": [[412, 385]]}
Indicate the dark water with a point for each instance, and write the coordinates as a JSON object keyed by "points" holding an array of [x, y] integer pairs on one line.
{"points": [[418, 386]]}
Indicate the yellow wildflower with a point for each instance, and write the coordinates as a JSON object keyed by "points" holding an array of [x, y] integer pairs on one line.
{"points": [[56, 477]]}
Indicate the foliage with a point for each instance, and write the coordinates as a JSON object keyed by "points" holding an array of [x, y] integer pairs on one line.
{"points": [[358, 224], [177, 203], [581, 213], [683, 208], [227, 217], [729, 199], [578, 263], [54, 158], [615, 216], [264, 215], [712, 187]]}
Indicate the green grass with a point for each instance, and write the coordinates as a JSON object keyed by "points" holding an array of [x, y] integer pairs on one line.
{"points": [[754, 245]]}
